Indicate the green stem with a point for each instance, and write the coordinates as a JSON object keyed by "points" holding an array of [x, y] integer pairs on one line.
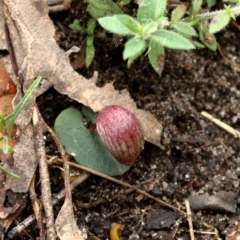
{"points": [[9, 173], [210, 15], [11, 118]]}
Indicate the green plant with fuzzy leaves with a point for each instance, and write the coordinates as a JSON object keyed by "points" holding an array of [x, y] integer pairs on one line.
{"points": [[7, 122], [151, 30]]}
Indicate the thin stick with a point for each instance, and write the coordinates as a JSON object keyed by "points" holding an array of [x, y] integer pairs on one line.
{"points": [[221, 124], [189, 218], [68, 193], [126, 185], [11, 50], [57, 8], [37, 208], [44, 174], [54, 2]]}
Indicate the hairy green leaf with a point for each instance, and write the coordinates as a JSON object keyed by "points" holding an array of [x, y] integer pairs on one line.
{"points": [[91, 24], [87, 148], [185, 28], [196, 5], [150, 9], [172, 40], [211, 3], [96, 13], [133, 47], [120, 24], [178, 12], [208, 39], [149, 27], [90, 53], [76, 26], [156, 56], [197, 44], [90, 40], [101, 8], [219, 22], [105, 5]]}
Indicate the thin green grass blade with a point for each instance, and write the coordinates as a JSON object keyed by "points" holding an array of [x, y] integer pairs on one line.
{"points": [[11, 118], [13, 175]]}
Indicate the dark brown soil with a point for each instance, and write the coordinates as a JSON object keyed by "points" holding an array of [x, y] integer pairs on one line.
{"points": [[199, 157]]}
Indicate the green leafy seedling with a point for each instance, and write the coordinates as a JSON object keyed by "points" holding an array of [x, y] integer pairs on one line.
{"points": [[145, 32], [152, 31]]}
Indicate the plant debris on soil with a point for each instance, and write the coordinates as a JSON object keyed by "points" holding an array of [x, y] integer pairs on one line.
{"points": [[200, 161]]}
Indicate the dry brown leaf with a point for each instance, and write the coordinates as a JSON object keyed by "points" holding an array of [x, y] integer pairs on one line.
{"points": [[24, 165], [6, 83], [66, 226], [3, 42], [23, 161], [32, 31], [7, 93]]}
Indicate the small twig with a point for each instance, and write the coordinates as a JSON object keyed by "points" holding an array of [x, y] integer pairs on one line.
{"points": [[25, 232], [126, 185], [57, 8], [221, 124], [30, 219], [175, 227], [189, 218], [13, 58], [37, 208], [11, 51], [44, 174], [54, 2], [68, 193]]}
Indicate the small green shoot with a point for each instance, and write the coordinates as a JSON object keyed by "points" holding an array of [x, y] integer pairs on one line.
{"points": [[6, 123], [11, 174], [12, 117], [149, 30]]}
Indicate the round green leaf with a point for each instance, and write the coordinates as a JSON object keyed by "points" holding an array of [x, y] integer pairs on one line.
{"points": [[86, 147]]}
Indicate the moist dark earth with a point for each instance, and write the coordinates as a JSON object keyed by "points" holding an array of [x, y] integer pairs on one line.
{"points": [[199, 158]]}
